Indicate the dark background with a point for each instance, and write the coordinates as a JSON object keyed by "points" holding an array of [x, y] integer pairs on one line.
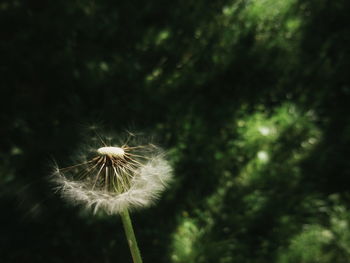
{"points": [[250, 98]]}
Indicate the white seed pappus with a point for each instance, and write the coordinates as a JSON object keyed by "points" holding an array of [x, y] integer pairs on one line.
{"points": [[112, 178]]}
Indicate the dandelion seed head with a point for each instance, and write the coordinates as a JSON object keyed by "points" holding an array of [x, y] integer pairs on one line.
{"points": [[112, 179]]}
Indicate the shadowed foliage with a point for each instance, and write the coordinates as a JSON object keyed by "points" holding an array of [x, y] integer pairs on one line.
{"points": [[250, 98]]}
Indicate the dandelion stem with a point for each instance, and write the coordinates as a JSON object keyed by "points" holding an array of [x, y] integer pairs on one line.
{"points": [[130, 236]]}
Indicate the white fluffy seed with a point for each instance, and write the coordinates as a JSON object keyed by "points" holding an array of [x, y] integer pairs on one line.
{"points": [[112, 151]]}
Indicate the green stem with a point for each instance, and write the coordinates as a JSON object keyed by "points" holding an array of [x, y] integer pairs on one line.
{"points": [[130, 236]]}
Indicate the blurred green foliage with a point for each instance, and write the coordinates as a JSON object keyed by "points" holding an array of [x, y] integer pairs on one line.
{"points": [[250, 97]]}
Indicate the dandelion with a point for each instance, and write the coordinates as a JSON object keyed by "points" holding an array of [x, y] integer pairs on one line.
{"points": [[116, 178]]}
